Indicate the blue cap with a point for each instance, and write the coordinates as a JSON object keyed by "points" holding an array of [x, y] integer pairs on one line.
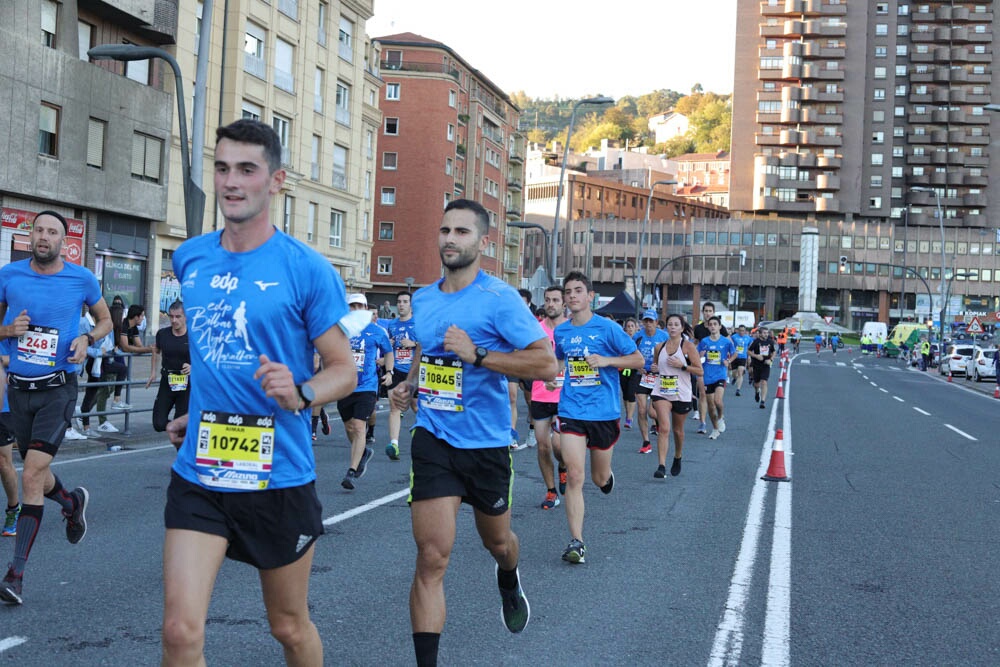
{"points": [[649, 314]]}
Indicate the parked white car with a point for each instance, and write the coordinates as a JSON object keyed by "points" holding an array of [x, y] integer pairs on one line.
{"points": [[981, 367], [955, 358]]}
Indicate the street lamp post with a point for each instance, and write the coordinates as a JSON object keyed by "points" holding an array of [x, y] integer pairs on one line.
{"points": [[519, 224], [962, 275], [602, 99], [642, 231], [944, 261], [194, 196], [635, 282], [409, 280]]}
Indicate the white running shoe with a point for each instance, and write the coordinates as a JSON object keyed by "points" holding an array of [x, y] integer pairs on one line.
{"points": [[532, 441], [72, 434], [722, 425], [695, 415], [107, 427], [78, 425], [121, 405], [714, 435]]}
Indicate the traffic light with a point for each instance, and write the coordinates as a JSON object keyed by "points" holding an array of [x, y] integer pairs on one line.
{"points": [[843, 263]]}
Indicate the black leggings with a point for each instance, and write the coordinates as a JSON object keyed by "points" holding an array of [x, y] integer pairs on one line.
{"points": [[165, 400], [111, 371]]}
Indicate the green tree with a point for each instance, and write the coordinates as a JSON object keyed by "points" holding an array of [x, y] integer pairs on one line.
{"points": [[711, 124], [656, 102], [674, 146]]}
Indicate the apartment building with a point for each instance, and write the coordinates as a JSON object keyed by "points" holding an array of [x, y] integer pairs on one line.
{"points": [[448, 132], [307, 69], [870, 115], [87, 139], [704, 176]]}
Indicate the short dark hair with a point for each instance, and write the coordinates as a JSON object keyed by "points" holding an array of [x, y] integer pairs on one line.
{"points": [[402, 293], [716, 318], [176, 305], [552, 288], [482, 215], [525, 294], [707, 304], [57, 216], [248, 131], [135, 310], [578, 276]]}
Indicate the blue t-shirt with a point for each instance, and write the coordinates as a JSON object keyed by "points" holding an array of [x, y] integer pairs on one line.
{"points": [[742, 344], [465, 406], [647, 344], [275, 300], [400, 330], [367, 348], [713, 355], [587, 393], [53, 303]]}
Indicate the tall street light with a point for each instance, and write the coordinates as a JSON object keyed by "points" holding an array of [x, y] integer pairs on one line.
{"points": [[602, 99], [194, 196], [549, 270], [642, 231], [961, 275], [944, 261]]}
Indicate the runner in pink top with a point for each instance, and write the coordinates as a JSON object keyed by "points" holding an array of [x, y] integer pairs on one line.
{"points": [[676, 360], [545, 406]]}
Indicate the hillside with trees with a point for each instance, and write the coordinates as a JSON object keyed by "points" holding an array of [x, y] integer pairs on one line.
{"points": [[709, 115]]}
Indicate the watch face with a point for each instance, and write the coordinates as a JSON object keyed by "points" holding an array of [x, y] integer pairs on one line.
{"points": [[481, 351], [307, 393]]}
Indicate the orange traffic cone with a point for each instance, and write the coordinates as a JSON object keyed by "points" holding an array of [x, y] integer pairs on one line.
{"points": [[996, 392], [784, 375], [949, 376], [781, 391], [776, 468]]}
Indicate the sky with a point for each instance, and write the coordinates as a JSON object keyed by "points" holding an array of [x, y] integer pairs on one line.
{"points": [[574, 48]]}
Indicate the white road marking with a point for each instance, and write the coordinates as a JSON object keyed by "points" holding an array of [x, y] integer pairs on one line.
{"points": [[899, 399], [923, 412], [961, 433], [841, 363], [884, 391], [343, 516], [11, 642], [865, 376], [776, 644], [872, 383], [804, 361]]}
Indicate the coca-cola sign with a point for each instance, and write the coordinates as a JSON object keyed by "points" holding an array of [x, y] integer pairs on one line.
{"points": [[20, 221]]}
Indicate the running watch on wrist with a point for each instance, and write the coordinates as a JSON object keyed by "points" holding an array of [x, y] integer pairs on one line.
{"points": [[307, 394], [481, 353]]}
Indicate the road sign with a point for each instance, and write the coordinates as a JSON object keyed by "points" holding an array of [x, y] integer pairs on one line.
{"points": [[975, 326], [828, 318]]}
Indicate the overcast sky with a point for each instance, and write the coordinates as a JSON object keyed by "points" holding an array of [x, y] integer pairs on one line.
{"points": [[572, 48]]}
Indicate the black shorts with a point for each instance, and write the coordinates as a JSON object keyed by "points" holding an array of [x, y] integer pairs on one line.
{"points": [[629, 383], [761, 372], [599, 434], [525, 385], [710, 388], [398, 377], [540, 411], [676, 407], [6, 435], [483, 478], [359, 405], [39, 419], [737, 363], [266, 529]]}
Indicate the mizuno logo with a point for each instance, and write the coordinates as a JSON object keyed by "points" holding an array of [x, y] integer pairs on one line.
{"points": [[262, 285], [303, 541]]}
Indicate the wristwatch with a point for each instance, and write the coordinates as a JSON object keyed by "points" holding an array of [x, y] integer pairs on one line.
{"points": [[481, 353], [90, 340], [307, 394]]}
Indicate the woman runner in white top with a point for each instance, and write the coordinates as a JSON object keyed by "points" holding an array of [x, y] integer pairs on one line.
{"points": [[676, 361]]}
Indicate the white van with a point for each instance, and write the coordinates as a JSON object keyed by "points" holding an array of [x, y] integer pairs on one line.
{"points": [[732, 319], [875, 330]]}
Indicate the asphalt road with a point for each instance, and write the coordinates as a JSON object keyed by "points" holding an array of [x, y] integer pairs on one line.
{"points": [[880, 550]]}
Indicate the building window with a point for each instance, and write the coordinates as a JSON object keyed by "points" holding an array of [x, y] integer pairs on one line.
{"points": [[340, 167], [386, 231], [389, 160], [49, 11], [324, 10], [879, 93], [289, 8], [311, 222], [392, 91], [881, 29], [138, 71], [336, 228], [316, 150], [253, 51], [385, 266], [251, 111], [368, 185], [345, 48], [392, 126], [283, 127], [343, 115], [880, 52], [388, 196], [198, 13], [448, 166], [452, 98], [287, 211], [48, 130], [284, 65], [84, 32], [880, 72], [877, 159], [451, 132], [147, 153], [369, 144], [96, 130], [318, 81], [878, 137]]}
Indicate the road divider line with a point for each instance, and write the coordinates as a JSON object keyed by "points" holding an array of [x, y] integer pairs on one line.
{"points": [[923, 412], [899, 399], [776, 643], [361, 509], [961, 432], [884, 391], [872, 383], [11, 642]]}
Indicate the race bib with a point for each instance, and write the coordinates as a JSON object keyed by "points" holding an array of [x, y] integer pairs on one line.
{"points": [[177, 381], [765, 350], [560, 378], [359, 357], [440, 383], [234, 451], [648, 380], [714, 357], [582, 374], [668, 385], [38, 345], [404, 355], [739, 349]]}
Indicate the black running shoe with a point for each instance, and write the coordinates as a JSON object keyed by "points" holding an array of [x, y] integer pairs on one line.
{"points": [[365, 458], [737, 392], [756, 395], [10, 589], [349, 479], [514, 608], [661, 472], [324, 420], [675, 469], [76, 521], [762, 405], [606, 489], [576, 552], [562, 481]]}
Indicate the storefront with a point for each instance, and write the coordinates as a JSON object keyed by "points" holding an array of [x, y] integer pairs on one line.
{"points": [[15, 243]]}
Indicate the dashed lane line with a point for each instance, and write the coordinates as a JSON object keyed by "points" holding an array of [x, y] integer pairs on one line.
{"points": [[899, 399], [923, 412], [961, 433]]}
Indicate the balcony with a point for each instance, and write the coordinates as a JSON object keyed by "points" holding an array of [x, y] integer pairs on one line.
{"points": [[429, 68], [827, 182], [513, 213], [514, 184], [513, 237], [827, 162], [284, 80], [827, 205], [255, 66], [976, 200], [807, 160]]}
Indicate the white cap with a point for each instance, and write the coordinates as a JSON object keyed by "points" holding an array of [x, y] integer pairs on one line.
{"points": [[357, 297]]}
